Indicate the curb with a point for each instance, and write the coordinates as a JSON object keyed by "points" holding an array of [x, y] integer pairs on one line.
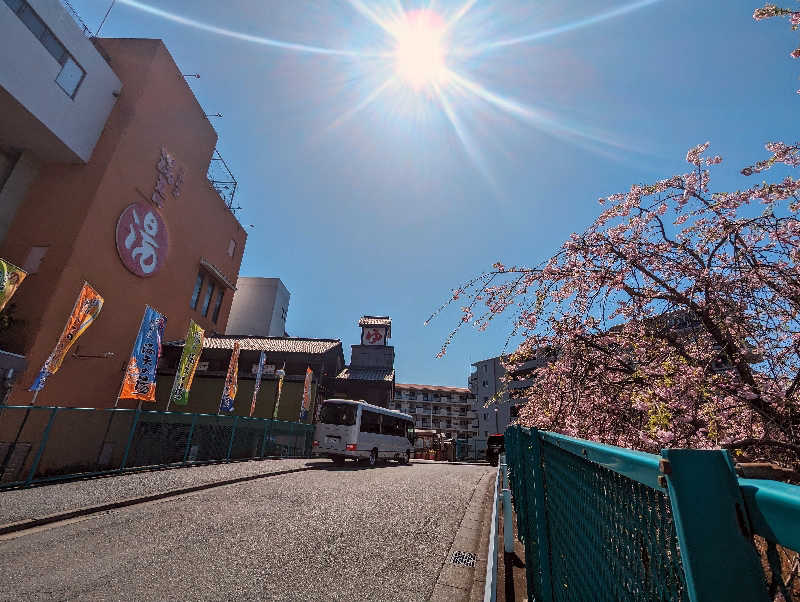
{"points": [[461, 582], [88, 510]]}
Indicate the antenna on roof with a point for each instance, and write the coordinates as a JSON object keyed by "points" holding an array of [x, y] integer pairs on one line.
{"points": [[97, 33]]}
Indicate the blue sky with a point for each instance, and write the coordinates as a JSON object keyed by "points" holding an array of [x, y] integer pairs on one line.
{"points": [[384, 210]]}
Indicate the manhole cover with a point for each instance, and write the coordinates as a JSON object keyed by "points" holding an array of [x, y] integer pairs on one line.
{"points": [[464, 558]]}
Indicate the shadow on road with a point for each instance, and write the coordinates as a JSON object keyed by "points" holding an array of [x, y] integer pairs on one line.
{"points": [[351, 465]]}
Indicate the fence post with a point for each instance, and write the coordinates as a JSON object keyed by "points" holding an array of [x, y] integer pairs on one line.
{"points": [[130, 438], [542, 527], [40, 451], [233, 434], [716, 543], [294, 441], [264, 438], [189, 439]]}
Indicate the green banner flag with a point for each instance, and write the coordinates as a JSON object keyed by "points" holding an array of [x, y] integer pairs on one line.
{"points": [[192, 349]]}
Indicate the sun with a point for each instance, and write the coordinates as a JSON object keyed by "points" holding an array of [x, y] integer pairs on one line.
{"points": [[420, 49]]}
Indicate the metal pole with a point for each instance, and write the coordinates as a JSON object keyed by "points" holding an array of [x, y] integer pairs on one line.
{"points": [[19, 432], [264, 439], [233, 434], [508, 523], [189, 439], [130, 439], [40, 451], [105, 435]]}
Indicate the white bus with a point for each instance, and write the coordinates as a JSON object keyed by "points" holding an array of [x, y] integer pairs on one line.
{"points": [[359, 430]]}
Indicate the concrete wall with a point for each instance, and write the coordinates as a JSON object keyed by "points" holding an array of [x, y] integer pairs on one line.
{"points": [[257, 307], [15, 188], [35, 113], [73, 211]]}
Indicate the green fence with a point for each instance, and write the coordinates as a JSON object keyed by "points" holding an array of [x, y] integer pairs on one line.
{"points": [[41, 443], [605, 523]]}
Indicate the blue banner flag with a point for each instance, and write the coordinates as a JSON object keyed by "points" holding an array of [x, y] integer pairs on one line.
{"points": [[140, 377]]}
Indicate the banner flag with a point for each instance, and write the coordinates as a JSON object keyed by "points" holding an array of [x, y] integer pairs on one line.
{"points": [[281, 373], [192, 349], [84, 312], [231, 381], [262, 359], [10, 278], [306, 394], [140, 377]]}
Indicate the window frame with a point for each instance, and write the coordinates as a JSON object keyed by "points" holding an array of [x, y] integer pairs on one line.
{"points": [[207, 300], [198, 288], [218, 304]]}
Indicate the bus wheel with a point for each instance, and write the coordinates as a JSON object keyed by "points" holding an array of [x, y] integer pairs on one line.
{"points": [[373, 457]]}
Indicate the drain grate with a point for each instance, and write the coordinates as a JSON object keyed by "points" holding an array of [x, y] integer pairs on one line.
{"points": [[463, 558]]}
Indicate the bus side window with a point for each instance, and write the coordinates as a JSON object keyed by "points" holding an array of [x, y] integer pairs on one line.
{"points": [[370, 422]]}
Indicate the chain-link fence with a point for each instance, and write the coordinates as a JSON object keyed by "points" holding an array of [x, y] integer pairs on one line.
{"points": [[39, 443], [606, 523]]}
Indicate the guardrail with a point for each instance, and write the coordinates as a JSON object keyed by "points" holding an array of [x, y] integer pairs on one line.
{"points": [[680, 526], [43, 443], [490, 585]]}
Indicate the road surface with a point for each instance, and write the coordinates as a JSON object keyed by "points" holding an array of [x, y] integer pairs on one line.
{"points": [[323, 534]]}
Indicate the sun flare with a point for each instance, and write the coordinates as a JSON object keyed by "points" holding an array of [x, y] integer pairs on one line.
{"points": [[420, 50]]}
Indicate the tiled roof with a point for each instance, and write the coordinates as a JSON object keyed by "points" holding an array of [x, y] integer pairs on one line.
{"points": [[368, 374], [375, 321], [410, 387], [269, 344]]}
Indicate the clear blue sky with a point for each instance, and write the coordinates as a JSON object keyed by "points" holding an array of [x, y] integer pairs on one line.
{"points": [[385, 210]]}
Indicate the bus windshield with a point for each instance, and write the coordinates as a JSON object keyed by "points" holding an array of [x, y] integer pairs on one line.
{"points": [[338, 413]]}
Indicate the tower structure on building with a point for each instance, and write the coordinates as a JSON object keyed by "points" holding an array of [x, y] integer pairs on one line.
{"points": [[370, 374]]}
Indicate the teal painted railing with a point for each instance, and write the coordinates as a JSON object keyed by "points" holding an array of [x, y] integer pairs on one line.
{"points": [[605, 523], [41, 443]]}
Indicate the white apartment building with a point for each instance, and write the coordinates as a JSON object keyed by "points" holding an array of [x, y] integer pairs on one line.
{"points": [[493, 406], [260, 307], [446, 410]]}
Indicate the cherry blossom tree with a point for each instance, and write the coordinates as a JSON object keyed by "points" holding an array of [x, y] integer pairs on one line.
{"points": [[673, 320]]}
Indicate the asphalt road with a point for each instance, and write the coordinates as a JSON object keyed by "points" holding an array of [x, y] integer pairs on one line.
{"points": [[324, 534]]}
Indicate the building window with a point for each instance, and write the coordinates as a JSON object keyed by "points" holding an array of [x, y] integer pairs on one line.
{"points": [[231, 248], [207, 298], [71, 75], [217, 305], [34, 259], [196, 292], [424, 397]]}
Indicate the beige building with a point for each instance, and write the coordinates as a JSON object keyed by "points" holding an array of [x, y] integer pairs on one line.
{"points": [[446, 410]]}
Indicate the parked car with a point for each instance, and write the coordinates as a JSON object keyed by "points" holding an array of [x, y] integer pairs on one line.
{"points": [[495, 445]]}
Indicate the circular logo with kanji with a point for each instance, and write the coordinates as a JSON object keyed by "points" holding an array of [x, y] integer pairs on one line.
{"points": [[142, 241]]}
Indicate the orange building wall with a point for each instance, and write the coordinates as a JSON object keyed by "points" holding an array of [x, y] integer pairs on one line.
{"points": [[75, 209]]}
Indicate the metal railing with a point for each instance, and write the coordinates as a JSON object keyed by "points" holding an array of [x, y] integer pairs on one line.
{"points": [[602, 522], [223, 180], [41, 443]]}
